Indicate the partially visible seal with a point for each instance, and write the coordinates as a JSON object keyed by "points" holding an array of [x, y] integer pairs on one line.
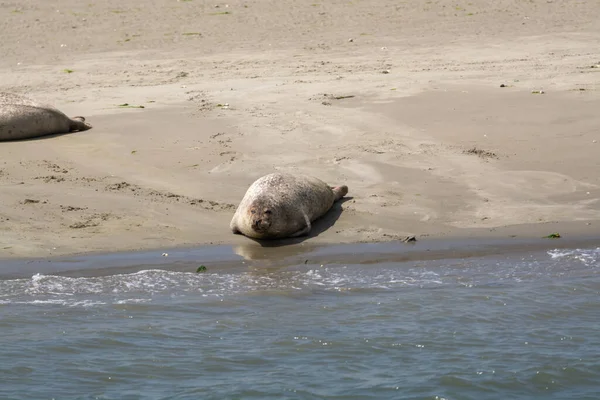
{"points": [[23, 118], [283, 205]]}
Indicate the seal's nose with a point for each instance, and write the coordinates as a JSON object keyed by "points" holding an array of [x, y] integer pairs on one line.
{"points": [[257, 223]]}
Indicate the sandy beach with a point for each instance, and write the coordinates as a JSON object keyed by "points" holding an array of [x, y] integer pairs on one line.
{"points": [[444, 119]]}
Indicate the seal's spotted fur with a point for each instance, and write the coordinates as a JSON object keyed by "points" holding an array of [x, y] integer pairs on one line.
{"points": [[23, 118], [283, 205]]}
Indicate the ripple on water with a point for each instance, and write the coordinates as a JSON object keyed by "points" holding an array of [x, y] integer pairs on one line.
{"points": [[483, 328]]}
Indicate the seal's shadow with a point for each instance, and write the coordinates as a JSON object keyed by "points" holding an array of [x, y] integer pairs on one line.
{"points": [[43, 137], [318, 226]]}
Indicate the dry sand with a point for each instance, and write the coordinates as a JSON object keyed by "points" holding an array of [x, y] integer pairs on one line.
{"points": [[429, 143]]}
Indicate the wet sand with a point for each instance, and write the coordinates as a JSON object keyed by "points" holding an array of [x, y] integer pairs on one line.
{"points": [[257, 259], [401, 102]]}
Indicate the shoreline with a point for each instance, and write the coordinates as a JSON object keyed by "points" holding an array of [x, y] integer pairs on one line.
{"points": [[251, 256]]}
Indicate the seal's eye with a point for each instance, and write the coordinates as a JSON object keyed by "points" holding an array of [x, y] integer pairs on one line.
{"points": [[253, 211], [268, 212]]}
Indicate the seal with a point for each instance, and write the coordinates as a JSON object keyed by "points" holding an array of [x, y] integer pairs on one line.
{"points": [[281, 205], [23, 118]]}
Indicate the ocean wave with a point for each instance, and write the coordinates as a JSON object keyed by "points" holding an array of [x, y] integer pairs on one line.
{"points": [[147, 285], [588, 257], [140, 287]]}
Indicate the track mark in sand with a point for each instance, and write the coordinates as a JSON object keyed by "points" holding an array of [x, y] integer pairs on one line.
{"points": [[195, 95], [391, 146], [365, 149], [339, 159], [221, 138], [66, 178], [224, 140], [32, 201], [121, 186], [430, 149], [402, 238], [88, 179], [484, 154], [51, 178], [216, 135], [212, 205], [54, 173], [204, 105], [231, 154], [53, 167], [92, 221], [328, 99], [169, 197], [386, 199], [71, 208]]}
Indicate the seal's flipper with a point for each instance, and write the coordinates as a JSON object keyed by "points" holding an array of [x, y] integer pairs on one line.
{"points": [[306, 229], [234, 227], [78, 124], [302, 232], [340, 191]]}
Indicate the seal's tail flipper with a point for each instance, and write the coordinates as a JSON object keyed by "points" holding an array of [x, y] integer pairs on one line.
{"points": [[340, 191], [78, 124]]}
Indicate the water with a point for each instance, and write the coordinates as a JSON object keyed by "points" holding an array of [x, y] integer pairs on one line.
{"points": [[520, 326]]}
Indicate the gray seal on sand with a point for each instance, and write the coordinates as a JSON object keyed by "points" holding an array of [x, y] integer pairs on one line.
{"points": [[282, 205], [23, 118]]}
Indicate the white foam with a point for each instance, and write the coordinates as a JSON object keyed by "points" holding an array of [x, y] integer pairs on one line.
{"points": [[147, 285], [133, 301], [60, 302], [559, 253], [589, 257], [139, 287]]}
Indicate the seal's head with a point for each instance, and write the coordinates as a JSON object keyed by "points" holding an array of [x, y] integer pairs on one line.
{"points": [[262, 217]]}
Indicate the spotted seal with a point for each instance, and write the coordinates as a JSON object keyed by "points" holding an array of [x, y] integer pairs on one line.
{"points": [[282, 205], [23, 118]]}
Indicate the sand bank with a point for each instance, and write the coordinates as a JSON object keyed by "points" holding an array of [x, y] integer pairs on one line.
{"points": [[403, 103]]}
